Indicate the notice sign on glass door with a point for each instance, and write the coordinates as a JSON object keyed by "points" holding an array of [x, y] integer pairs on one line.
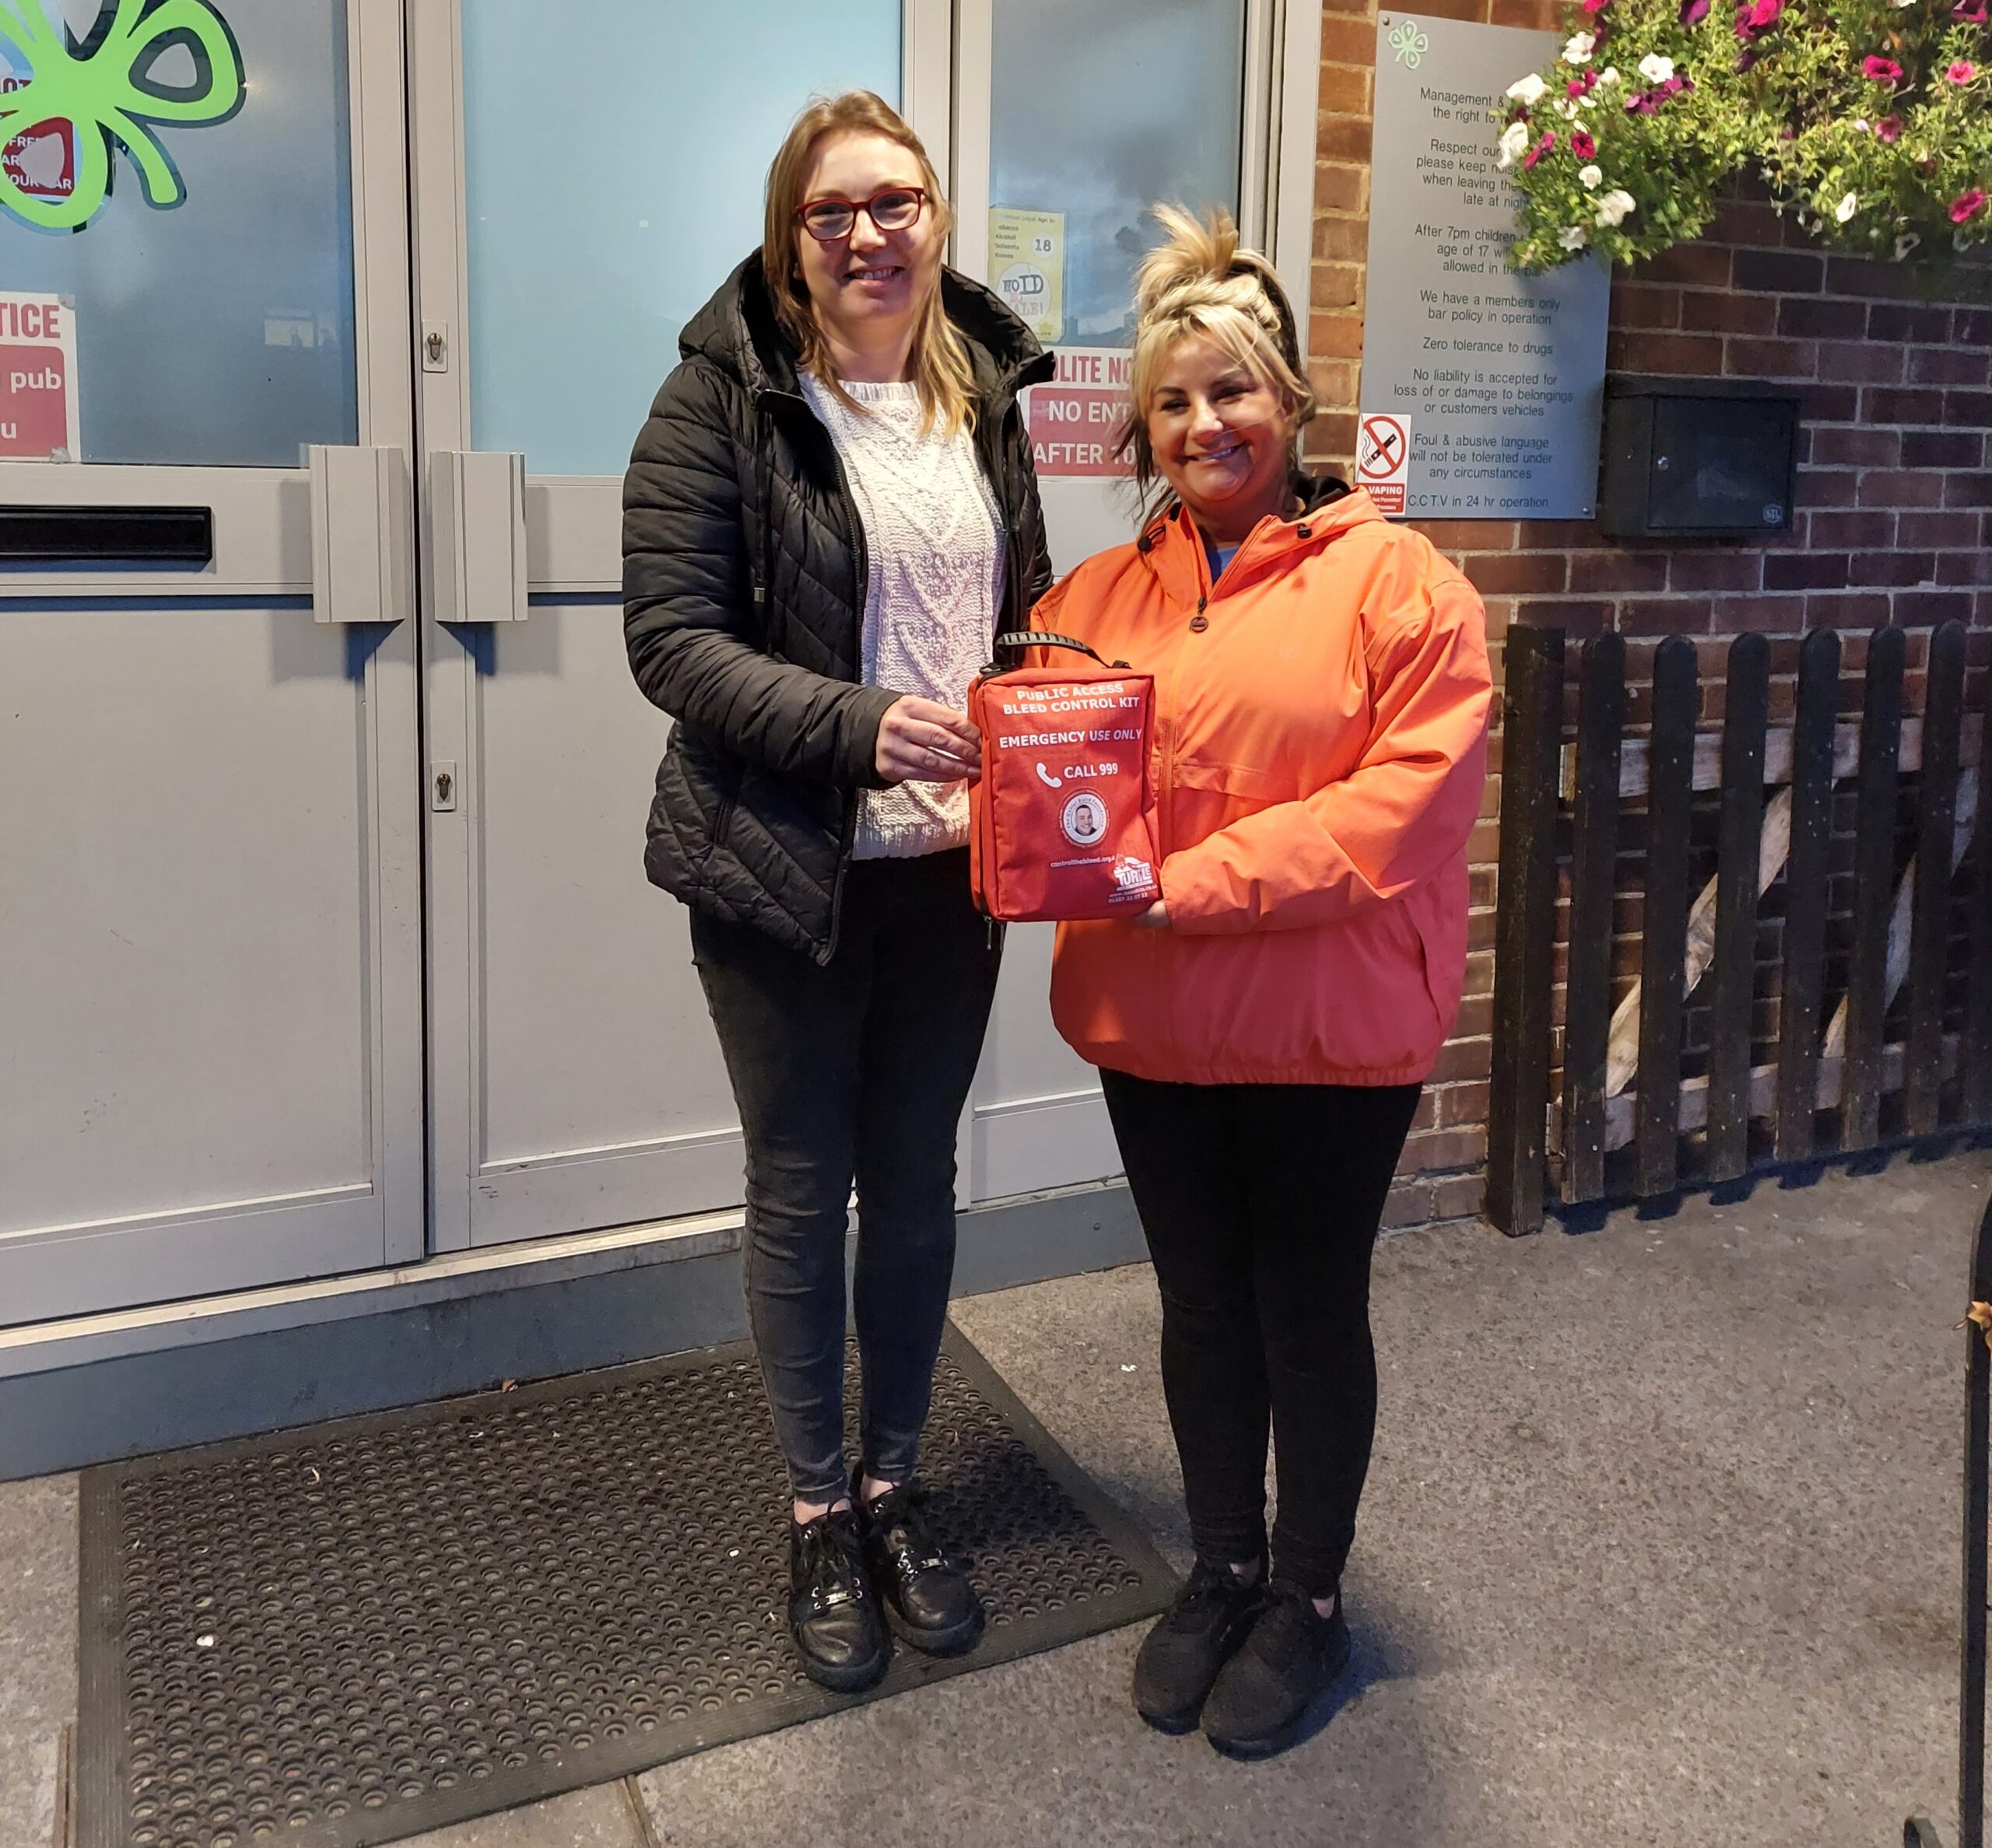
{"points": [[40, 160], [38, 419], [1074, 419], [1027, 263]]}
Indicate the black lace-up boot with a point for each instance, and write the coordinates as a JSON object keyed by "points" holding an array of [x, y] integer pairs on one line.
{"points": [[833, 1613], [928, 1600], [1289, 1661], [1179, 1658]]}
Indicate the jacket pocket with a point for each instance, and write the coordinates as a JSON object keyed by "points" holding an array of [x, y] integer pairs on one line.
{"points": [[1204, 797], [1438, 916]]}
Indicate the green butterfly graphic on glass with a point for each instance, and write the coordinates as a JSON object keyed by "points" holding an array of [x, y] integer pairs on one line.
{"points": [[97, 91]]}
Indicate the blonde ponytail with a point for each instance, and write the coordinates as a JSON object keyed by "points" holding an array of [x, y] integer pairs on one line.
{"points": [[1198, 281]]}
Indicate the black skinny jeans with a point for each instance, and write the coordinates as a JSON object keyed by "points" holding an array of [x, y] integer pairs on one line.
{"points": [[1260, 1203], [856, 1069]]}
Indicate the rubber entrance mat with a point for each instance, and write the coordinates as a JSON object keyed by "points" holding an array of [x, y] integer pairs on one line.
{"points": [[358, 1630]]}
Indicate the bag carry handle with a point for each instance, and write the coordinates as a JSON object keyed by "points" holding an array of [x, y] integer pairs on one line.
{"points": [[1016, 639]]}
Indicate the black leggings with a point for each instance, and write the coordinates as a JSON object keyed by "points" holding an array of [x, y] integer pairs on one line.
{"points": [[857, 1069], [1260, 1203]]}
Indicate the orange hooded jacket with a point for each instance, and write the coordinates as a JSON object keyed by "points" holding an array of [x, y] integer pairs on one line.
{"points": [[1318, 750]]}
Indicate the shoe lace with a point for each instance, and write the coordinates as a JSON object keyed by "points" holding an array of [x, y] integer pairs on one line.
{"points": [[833, 1563], [900, 1515], [1291, 1627], [1208, 1584]]}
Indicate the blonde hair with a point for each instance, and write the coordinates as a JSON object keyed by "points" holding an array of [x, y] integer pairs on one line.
{"points": [[1198, 281], [941, 372]]}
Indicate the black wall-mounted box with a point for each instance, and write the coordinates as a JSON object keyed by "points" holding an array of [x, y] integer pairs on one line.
{"points": [[1697, 459]]}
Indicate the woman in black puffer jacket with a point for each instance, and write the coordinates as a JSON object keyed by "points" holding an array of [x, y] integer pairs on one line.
{"points": [[828, 517]]}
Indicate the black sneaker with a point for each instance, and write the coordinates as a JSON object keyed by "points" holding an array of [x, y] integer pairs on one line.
{"points": [[833, 1613], [1262, 1694], [928, 1600], [1179, 1657]]}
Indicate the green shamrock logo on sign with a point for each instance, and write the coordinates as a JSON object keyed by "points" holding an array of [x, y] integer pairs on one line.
{"points": [[1409, 43], [57, 126]]}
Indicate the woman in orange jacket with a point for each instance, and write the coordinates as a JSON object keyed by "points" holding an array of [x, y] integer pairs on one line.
{"points": [[1321, 699]]}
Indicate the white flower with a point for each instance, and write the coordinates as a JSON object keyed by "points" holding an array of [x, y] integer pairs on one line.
{"points": [[1528, 91], [1579, 49], [1846, 208], [1593, 177], [1655, 69], [1573, 238], [1513, 143], [1587, 101], [1860, 124], [1566, 108], [1609, 75], [1612, 209], [1905, 244]]}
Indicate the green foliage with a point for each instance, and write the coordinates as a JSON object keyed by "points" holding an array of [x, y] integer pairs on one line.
{"points": [[1870, 120]]}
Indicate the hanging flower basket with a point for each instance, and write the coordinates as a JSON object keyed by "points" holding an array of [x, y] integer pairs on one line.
{"points": [[1870, 120]]}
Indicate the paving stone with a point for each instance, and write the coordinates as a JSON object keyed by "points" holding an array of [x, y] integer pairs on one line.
{"points": [[37, 1651], [602, 1817], [1659, 1549]]}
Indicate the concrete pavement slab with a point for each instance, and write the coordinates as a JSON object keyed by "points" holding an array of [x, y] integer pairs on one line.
{"points": [[1660, 1548], [38, 1652]]}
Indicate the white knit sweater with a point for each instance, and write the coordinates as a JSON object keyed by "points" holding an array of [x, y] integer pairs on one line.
{"points": [[934, 548]]}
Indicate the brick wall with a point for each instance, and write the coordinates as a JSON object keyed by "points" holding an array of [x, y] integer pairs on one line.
{"points": [[1895, 493]]}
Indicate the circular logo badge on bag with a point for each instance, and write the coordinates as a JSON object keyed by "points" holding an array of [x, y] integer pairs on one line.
{"points": [[1085, 819]]}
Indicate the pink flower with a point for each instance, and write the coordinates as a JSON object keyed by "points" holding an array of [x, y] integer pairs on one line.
{"points": [[1967, 205], [1974, 12], [1743, 60], [1765, 14], [1694, 11], [1962, 72], [1880, 70], [1546, 146], [1581, 145], [1595, 7], [1641, 103], [1581, 86], [1889, 129]]}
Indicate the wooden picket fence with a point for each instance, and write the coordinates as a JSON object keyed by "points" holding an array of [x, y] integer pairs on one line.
{"points": [[1830, 1081]]}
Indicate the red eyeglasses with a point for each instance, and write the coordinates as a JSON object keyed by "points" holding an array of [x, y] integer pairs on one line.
{"points": [[892, 208]]}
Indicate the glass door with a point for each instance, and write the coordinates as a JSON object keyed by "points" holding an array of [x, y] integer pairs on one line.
{"points": [[1075, 118], [210, 1066], [580, 194]]}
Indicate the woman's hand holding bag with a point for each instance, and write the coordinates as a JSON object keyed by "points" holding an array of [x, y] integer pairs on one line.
{"points": [[1060, 823], [920, 741]]}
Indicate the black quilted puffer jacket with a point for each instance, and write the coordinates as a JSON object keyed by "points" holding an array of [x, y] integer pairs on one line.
{"points": [[743, 599]]}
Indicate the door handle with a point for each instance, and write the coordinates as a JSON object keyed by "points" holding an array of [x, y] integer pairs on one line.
{"points": [[477, 501], [361, 530]]}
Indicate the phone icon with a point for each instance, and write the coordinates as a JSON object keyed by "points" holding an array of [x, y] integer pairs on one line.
{"points": [[1049, 781]]}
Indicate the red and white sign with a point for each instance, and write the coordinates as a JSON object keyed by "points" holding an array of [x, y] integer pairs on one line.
{"points": [[40, 160], [1075, 418], [1383, 460], [38, 378]]}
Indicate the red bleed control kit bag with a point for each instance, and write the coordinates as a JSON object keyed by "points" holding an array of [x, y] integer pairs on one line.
{"points": [[1059, 824]]}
